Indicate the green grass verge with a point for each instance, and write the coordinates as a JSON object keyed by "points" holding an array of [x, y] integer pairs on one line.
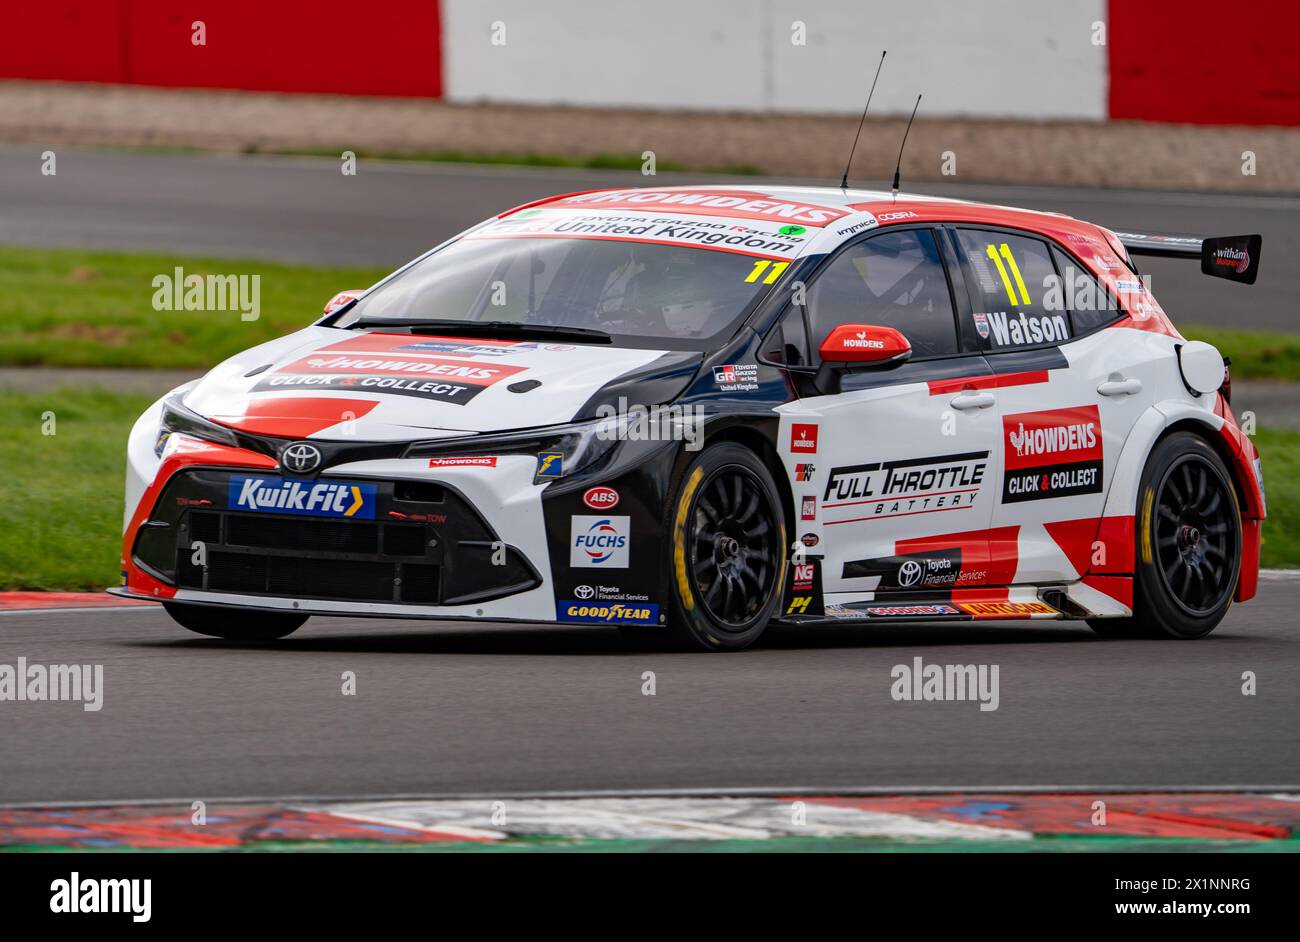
{"points": [[1255, 354], [61, 526], [72, 307]]}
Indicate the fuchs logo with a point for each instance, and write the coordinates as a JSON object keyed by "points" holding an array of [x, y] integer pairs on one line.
{"points": [[981, 324], [804, 472], [860, 341], [599, 542], [803, 438], [808, 510], [318, 499], [1055, 453], [1236, 259], [601, 498]]}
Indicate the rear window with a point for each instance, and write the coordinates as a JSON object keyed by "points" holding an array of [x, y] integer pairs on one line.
{"points": [[1013, 284]]}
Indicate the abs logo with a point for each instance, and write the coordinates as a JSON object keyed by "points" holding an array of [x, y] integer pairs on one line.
{"points": [[600, 498], [599, 542]]}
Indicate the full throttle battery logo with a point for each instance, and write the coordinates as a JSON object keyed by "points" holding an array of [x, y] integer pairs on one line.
{"points": [[1057, 453]]}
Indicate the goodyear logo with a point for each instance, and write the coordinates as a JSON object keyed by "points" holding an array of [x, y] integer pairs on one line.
{"points": [[550, 464], [608, 613], [303, 498]]}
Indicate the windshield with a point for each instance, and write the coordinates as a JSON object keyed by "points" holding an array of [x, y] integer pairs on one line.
{"points": [[645, 295]]}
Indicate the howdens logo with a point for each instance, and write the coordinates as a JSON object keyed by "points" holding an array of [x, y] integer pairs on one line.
{"points": [[303, 498]]}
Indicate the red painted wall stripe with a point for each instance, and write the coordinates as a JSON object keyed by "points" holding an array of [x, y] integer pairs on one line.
{"points": [[1204, 62], [331, 46]]}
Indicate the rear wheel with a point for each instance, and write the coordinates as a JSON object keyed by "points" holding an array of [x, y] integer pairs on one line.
{"points": [[232, 623], [727, 551], [1188, 535]]}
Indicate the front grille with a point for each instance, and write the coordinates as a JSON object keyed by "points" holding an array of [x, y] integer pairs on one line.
{"points": [[426, 545]]}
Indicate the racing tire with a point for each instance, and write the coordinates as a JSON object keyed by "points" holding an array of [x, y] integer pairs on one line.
{"points": [[1188, 544], [234, 624], [727, 550]]}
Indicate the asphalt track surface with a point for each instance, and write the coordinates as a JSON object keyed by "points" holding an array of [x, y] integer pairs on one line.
{"points": [[306, 210], [496, 710]]}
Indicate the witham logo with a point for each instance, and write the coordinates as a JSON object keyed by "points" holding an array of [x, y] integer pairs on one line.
{"points": [[599, 542], [303, 498]]}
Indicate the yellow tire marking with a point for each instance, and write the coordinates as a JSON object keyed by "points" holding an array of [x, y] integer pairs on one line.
{"points": [[1148, 498], [679, 539]]}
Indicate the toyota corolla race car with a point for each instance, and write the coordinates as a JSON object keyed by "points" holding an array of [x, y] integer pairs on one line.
{"points": [[700, 411]]}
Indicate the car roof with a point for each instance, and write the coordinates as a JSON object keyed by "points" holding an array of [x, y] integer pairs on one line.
{"points": [[888, 208]]}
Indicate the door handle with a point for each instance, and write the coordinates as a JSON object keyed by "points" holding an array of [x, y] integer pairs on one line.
{"points": [[1120, 387], [973, 401]]}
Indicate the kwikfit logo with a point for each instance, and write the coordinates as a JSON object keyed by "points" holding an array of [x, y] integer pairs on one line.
{"points": [[305, 498]]}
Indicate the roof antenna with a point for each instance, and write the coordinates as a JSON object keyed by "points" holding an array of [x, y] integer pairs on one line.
{"points": [[898, 167], [844, 183]]}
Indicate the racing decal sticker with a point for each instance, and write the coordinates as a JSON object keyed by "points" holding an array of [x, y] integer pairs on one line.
{"points": [[933, 569], [1021, 328], [911, 611], [758, 238], [550, 464], [808, 507], [803, 439], [607, 613], [803, 595], [426, 377], [302, 498], [600, 498], [981, 324], [904, 487], [804, 472], [1056, 453], [376, 342], [1006, 609], [599, 542], [738, 204], [480, 461], [738, 377]]}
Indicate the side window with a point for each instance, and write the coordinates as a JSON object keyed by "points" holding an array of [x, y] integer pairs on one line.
{"points": [[894, 279], [788, 344], [1011, 280], [1091, 306]]}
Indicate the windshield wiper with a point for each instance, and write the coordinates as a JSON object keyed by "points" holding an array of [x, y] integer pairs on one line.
{"points": [[488, 328]]}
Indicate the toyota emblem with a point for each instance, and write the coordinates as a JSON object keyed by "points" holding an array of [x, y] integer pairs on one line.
{"points": [[300, 458]]}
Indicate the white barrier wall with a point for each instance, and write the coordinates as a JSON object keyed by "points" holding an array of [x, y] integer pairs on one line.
{"points": [[990, 58]]}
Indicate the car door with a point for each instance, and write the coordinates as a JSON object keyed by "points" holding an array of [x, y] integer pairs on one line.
{"points": [[893, 476], [1075, 394]]}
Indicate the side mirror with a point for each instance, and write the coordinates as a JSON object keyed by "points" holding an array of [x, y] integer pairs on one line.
{"points": [[854, 347], [342, 298]]}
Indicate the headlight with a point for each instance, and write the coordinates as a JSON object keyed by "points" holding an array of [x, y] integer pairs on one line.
{"points": [[177, 419], [579, 446]]}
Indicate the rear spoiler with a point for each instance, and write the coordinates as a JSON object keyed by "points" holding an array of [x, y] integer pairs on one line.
{"points": [[1233, 257]]}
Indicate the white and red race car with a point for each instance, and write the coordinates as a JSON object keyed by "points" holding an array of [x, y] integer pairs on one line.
{"points": [[702, 409]]}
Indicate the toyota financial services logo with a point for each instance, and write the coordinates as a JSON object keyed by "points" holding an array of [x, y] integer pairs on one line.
{"points": [[300, 458]]}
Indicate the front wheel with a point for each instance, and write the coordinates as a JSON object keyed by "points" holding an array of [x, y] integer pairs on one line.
{"points": [[1188, 535], [727, 552], [234, 624]]}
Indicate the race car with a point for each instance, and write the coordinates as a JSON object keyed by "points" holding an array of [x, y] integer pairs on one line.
{"points": [[698, 411]]}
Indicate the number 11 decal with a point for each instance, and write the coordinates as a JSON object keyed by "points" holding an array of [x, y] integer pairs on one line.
{"points": [[1004, 252]]}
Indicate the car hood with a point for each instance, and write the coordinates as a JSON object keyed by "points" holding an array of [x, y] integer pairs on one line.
{"points": [[335, 384]]}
